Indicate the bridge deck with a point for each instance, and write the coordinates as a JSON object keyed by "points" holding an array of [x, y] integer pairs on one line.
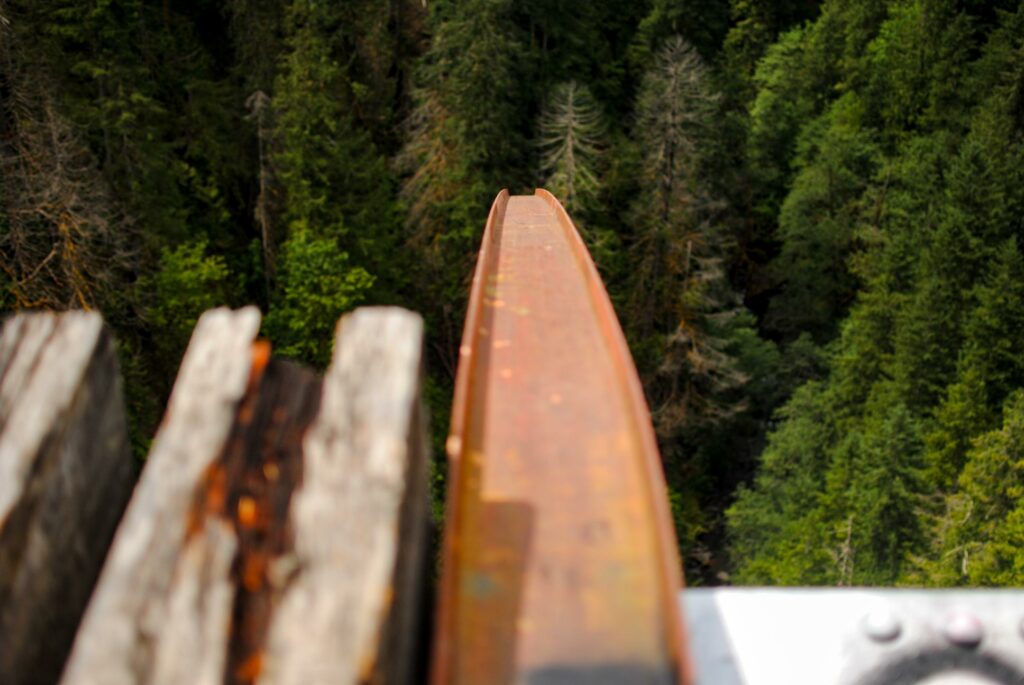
{"points": [[560, 563]]}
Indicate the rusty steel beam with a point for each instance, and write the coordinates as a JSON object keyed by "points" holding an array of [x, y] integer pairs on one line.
{"points": [[560, 562]]}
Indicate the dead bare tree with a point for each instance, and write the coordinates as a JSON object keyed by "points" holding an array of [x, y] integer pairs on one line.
{"points": [[64, 243], [258, 105]]}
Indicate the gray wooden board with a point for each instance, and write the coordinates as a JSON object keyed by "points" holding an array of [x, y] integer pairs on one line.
{"points": [[65, 476], [162, 609], [351, 614]]}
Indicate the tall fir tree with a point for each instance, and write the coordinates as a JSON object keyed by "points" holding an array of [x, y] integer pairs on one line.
{"points": [[465, 142], [694, 342], [571, 140], [336, 189], [680, 290]]}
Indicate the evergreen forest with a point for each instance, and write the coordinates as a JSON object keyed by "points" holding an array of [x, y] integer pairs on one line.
{"points": [[809, 215]]}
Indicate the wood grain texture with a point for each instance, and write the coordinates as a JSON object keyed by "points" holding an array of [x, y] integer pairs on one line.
{"points": [[260, 468], [350, 614], [65, 476], [161, 612]]}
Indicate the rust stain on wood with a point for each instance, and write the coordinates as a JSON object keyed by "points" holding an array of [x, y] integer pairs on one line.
{"points": [[250, 485]]}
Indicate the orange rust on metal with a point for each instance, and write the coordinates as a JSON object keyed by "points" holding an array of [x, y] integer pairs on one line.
{"points": [[560, 562]]}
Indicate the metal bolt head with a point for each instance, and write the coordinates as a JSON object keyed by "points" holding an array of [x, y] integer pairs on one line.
{"points": [[963, 630], [881, 625]]}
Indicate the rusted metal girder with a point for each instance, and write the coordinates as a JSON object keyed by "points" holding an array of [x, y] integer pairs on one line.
{"points": [[560, 562]]}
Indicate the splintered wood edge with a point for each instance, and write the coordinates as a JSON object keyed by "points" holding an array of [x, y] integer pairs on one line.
{"points": [[161, 611], [364, 481]]}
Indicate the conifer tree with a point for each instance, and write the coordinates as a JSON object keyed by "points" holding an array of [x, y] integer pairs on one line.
{"points": [[694, 342], [256, 35], [988, 369], [330, 173], [571, 131], [775, 527], [680, 289], [979, 537], [702, 23], [464, 143], [782, 105], [818, 220], [756, 24], [336, 189]]}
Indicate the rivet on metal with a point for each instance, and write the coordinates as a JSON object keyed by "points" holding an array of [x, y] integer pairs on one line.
{"points": [[964, 630], [882, 625]]}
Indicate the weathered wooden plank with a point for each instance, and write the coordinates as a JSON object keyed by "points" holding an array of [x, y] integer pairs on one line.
{"points": [[262, 465], [162, 608], [277, 533], [65, 476], [351, 614]]}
